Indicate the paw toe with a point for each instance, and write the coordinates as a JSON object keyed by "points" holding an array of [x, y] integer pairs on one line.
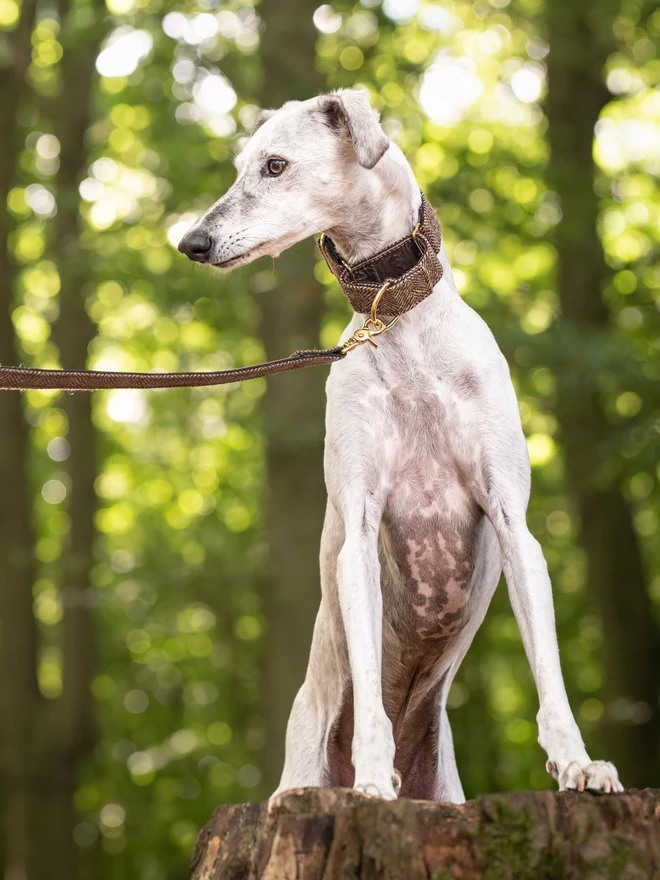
{"points": [[602, 777], [370, 789], [571, 778]]}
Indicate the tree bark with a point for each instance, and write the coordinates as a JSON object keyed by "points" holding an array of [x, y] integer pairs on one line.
{"points": [[580, 35], [337, 834], [290, 319]]}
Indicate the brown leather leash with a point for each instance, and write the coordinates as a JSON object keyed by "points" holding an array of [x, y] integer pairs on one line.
{"points": [[30, 378], [395, 280]]}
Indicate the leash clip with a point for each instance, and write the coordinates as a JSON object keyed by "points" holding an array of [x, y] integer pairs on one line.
{"points": [[373, 326]]}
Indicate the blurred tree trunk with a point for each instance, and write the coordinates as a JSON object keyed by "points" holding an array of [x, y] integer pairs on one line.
{"points": [[20, 700], [294, 404], [44, 740], [72, 720], [580, 35]]}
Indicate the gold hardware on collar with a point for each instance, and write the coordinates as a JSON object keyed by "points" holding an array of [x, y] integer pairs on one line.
{"points": [[415, 233], [373, 326]]}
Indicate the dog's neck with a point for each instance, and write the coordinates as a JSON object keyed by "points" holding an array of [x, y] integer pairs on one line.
{"points": [[384, 206]]}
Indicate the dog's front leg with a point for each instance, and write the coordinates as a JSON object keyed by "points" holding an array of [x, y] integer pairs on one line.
{"points": [[360, 599], [531, 598]]}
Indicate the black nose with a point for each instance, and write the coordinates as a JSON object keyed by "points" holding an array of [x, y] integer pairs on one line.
{"points": [[196, 245]]}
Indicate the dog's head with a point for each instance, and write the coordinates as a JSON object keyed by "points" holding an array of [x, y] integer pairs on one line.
{"points": [[300, 173]]}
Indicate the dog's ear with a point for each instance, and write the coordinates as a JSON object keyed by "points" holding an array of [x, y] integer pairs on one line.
{"points": [[263, 116], [351, 115]]}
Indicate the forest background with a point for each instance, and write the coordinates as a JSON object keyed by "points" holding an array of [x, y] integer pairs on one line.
{"points": [[159, 550]]}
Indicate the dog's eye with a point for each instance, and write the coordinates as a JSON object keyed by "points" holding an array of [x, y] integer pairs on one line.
{"points": [[276, 166]]}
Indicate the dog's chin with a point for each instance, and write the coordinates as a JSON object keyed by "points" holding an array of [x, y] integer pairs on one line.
{"points": [[233, 262], [241, 259], [267, 249]]}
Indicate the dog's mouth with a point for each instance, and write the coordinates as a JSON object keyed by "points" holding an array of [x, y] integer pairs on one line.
{"points": [[232, 261], [262, 249]]}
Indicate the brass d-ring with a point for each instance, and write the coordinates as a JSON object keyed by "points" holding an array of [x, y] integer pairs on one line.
{"points": [[374, 309], [373, 326]]}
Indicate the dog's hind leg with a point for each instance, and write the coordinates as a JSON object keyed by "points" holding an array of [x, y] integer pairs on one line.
{"points": [[450, 789], [319, 700], [487, 570], [314, 711]]}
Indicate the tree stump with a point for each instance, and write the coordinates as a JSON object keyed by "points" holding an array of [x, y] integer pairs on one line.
{"points": [[337, 834]]}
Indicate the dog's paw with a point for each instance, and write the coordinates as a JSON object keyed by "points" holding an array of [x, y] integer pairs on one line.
{"points": [[386, 791], [599, 777]]}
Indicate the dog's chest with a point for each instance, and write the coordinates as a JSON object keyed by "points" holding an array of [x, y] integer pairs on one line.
{"points": [[430, 518]]}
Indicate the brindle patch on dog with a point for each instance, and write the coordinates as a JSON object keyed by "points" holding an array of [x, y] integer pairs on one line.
{"points": [[438, 570], [433, 557]]}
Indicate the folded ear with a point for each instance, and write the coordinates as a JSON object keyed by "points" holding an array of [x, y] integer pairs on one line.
{"points": [[264, 116], [350, 114]]}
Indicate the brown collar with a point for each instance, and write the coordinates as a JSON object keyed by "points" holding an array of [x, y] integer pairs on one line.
{"points": [[410, 266]]}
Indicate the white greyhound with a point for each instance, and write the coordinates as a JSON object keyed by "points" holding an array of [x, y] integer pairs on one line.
{"points": [[427, 473]]}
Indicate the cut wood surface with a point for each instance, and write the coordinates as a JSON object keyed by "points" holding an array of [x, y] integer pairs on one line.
{"points": [[337, 834]]}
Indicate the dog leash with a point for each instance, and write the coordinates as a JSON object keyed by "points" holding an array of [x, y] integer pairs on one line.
{"points": [[32, 378], [395, 280]]}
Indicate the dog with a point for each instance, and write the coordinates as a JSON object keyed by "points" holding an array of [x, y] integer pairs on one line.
{"points": [[427, 474]]}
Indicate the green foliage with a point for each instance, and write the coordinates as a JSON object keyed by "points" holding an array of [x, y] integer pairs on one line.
{"points": [[180, 549]]}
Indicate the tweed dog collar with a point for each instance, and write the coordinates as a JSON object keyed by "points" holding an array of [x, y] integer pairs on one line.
{"points": [[410, 267]]}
